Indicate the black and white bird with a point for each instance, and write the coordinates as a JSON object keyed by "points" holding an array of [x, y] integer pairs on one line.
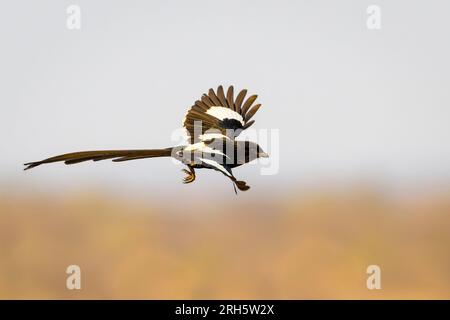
{"points": [[212, 124]]}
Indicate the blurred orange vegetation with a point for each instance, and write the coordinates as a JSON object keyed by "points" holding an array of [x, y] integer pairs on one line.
{"points": [[315, 245]]}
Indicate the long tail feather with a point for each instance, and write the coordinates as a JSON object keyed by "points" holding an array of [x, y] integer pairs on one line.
{"points": [[116, 155]]}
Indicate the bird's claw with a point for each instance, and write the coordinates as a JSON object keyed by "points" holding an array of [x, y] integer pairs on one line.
{"points": [[242, 185], [190, 177]]}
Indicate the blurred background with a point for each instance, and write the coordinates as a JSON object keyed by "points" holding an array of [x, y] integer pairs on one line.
{"points": [[363, 159]]}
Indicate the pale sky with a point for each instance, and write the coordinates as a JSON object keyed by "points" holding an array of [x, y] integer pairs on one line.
{"points": [[349, 103]]}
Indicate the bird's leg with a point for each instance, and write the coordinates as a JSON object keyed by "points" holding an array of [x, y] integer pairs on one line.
{"points": [[241, 185], [190, 175]]}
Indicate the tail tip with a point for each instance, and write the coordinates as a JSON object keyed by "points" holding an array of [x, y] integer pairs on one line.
{"points": [[30, 165]]}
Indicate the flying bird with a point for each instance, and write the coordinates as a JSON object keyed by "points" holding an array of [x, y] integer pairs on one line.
{"points": [[211, 124]]}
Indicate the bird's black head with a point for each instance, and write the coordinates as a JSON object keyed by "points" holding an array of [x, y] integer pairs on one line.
{"points": [[253, 151], [260, 152]]}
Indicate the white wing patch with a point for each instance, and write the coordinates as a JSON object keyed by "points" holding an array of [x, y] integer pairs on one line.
{"points": [[224, 113], [209, 136], [200, 146], [216, 165]]}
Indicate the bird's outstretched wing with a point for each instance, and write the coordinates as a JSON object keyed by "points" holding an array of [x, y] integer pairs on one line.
{"points": [[217, 113], [116, 155]]}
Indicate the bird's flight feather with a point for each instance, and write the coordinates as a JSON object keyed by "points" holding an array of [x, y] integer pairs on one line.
{"points": [[209, 114]]}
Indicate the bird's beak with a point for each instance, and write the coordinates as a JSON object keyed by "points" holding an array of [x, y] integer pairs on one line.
{"points": [[263, 155]]}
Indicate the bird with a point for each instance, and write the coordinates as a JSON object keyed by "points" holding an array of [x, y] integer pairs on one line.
{"points": [[212, 125]]}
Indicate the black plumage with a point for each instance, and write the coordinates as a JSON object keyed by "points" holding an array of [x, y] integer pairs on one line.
{"points": [[212, 124]]}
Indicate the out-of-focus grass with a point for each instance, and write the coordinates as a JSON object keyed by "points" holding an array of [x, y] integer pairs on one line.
{"points": [[301, 246]]}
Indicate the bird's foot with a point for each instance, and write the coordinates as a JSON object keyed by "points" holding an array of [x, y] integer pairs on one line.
{"points": [[190, 176], [241, 185]]}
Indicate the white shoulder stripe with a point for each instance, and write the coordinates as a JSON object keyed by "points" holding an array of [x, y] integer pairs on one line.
{"points": [[209, 136], [216, 165], [224, 113], [201, 147]]}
